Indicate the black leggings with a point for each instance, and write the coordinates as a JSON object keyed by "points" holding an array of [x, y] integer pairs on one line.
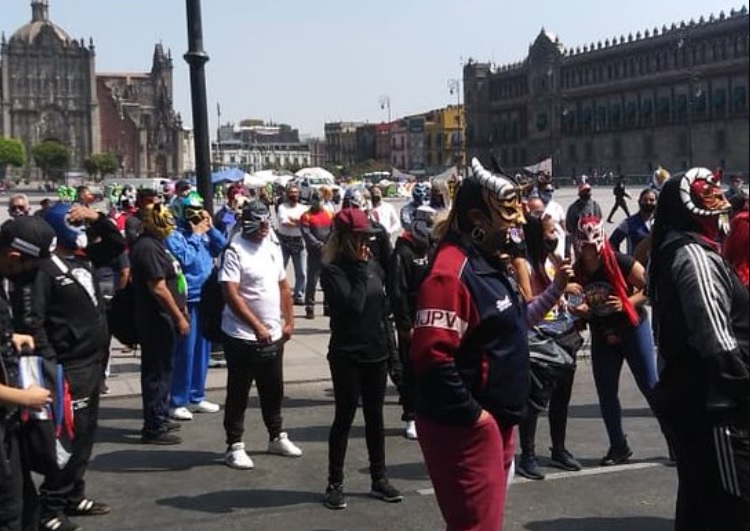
{"points": [[351, 380], [557, 413]]}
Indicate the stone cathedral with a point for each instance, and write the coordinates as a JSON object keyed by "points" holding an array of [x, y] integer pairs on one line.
{"points": [[50, 90]]}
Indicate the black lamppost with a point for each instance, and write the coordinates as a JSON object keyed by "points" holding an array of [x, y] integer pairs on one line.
{"points": [[454, 86], [197, 58]]}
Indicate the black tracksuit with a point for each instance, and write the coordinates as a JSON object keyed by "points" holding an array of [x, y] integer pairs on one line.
{"points": [[701, 320], [61, 306], [357, 355], [409, 264]]}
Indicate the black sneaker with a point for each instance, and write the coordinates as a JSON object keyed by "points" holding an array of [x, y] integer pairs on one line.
{"points": [[528, 467], [172, 426], [88, 507], [565, 460], [163, 438], [334, 497], [59, 523], [383, 490], [309, 313], [617, 455]]}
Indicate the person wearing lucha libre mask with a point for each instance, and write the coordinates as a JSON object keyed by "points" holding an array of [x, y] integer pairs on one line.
{"points": [[470, 352], [701, 321]]}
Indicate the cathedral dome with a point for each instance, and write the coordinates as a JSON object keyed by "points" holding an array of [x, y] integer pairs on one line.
{"points": [[28, 33]]}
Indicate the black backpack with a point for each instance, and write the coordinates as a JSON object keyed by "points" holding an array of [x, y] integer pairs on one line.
{"points": [[121, 316], [211, 305]]}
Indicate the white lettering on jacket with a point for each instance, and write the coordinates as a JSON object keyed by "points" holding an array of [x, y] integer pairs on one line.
{"points": [[444, 319]]}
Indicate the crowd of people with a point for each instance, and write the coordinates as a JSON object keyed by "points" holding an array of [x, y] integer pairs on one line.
{"points": [[473, 303]]}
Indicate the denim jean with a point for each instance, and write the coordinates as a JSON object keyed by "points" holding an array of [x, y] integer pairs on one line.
{"points": [[637, 348], [298, 262]]}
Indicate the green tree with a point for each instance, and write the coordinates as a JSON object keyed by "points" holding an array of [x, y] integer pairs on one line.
{"points": [[52, 158], [100, 165], [12, 153]]}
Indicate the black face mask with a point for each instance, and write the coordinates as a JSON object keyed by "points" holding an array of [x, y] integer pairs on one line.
{"points": [[550, 245], [648, 209]]}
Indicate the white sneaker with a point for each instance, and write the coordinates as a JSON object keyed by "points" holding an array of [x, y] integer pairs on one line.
{"points": [[281, 445], [236, 457], [410, 431], [180, 413], [205, 406]]}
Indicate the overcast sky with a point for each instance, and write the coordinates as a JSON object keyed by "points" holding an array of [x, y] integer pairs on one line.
{"points": [[307, 62]]}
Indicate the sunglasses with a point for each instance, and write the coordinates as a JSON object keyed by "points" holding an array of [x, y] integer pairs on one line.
{"points": [[17, 208]]}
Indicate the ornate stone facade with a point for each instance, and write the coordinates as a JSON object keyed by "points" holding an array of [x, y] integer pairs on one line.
{"points": [[675, 96], [49, 89]]}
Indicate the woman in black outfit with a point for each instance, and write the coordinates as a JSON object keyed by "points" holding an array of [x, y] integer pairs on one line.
{"points": [[353, 284]]}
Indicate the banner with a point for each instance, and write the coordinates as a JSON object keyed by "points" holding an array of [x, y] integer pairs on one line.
{"points": [[544, 166]]}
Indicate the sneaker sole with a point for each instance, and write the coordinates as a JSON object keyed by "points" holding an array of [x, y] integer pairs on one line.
{"points": [[562, 466], [619, 461], [237, 467], [387, 499], [334, 507], [526, 475]]}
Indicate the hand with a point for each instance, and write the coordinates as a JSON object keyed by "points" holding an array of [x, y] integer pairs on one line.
{"points": [[574, 288], [363, 252], [582, 310], [564, 274], [35, 397], [82, 213], [614, 303], [483, 417], [286, 332], [200, 228], [22, 342], [262, 334], [183, 326], [207, 217]]}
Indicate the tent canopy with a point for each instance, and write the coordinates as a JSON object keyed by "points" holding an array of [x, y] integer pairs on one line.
{"points": [[228, 175]]}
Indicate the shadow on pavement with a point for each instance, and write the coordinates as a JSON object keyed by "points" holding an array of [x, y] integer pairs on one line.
{"points": [[591, 411], [406, 471], [228, 500], [152, 460], [638, 523]]}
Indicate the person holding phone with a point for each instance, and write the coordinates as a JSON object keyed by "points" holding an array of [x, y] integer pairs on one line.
{"points": [[194, 244], [614, 300], [354, 286]]}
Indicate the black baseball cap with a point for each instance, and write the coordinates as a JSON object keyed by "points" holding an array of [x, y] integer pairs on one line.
{"points": [[29, 235]]}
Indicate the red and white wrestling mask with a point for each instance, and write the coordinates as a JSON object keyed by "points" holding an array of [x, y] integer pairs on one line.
{"points": [[701, 193], [590, 231]]}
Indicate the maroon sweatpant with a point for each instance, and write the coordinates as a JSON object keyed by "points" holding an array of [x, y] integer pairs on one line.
{"points": [[468, 466]]}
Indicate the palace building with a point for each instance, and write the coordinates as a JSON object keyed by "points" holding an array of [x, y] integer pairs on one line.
{"points": [[675, 96]]}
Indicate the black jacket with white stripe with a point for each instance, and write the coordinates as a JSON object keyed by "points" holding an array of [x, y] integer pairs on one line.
{"points": [[701, 321]]}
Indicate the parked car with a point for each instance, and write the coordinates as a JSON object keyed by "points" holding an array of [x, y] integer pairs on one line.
{"points": [[309, 184]]}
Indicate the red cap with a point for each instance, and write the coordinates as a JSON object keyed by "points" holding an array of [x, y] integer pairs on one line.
{"points": [[354, 220]]}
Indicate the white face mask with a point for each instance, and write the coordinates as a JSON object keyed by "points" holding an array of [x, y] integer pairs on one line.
{"points": [[82, 240]]}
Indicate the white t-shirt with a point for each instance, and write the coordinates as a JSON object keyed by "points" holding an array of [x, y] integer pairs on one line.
{"points": [[386, 215], [557, 213], [285, 213], [257, 268]]}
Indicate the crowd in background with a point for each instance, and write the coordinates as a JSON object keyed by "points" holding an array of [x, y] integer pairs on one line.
{"points": [[474, 304]]}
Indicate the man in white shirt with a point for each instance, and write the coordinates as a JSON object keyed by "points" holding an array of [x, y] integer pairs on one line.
{"points": [[384, 213], [290, 236], [554, 210], [257, 320]]}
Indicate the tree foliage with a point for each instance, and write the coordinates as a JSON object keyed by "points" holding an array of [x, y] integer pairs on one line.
{"points": [[12, 153], [52, 158], [100, 165]]}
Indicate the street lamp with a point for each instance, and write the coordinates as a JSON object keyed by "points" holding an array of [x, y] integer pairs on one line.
{"points": [[385, 103], [197, 58], [454, 87]]}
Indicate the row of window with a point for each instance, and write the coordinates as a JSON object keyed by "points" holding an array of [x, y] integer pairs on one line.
{"points": [[678, 56]]}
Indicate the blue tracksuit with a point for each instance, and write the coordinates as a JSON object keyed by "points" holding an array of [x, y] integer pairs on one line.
{"points": [[195, 254]]}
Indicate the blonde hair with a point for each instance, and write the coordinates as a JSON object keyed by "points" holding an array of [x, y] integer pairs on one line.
{"points": [[325, 193], [334, 247]]}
